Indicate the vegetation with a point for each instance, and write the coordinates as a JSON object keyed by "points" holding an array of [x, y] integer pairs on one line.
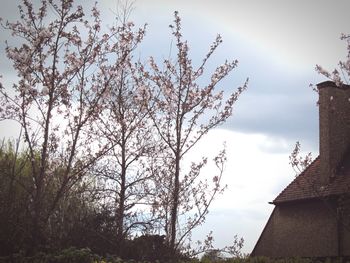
{"points": [[98, 164], [73, 255]]}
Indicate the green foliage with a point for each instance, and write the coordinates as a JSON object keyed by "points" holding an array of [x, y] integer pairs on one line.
{"points": [[76, 256], [14, 198], [148, 248], [213, 255], [85, 255], [70, 255], [76, 222]]}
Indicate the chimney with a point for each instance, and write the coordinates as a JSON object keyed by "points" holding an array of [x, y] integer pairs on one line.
{"points": [[334, 110]]}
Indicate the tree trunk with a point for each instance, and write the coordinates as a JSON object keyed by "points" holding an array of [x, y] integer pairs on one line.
{"points": [[121, 205], [36, 228], [175, 204]]}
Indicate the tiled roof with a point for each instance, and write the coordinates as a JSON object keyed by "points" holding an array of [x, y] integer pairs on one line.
{"points": [[307, 185]]}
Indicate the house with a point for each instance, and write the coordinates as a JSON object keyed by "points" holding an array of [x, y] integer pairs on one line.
{"points": [[311, 217]]}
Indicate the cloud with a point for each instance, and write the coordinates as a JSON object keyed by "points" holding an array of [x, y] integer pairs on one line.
{"points": [[254, 175], [226, 223], [288, 111], [278, 45]]}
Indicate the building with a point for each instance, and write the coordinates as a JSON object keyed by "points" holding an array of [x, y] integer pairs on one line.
{"points": [[311, 217]]}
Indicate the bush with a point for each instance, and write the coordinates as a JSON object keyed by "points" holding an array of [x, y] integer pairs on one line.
{"points": [[84, 255], [70, 255]]}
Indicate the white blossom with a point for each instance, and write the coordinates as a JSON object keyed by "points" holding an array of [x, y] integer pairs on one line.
{"points": [[45, 91]]}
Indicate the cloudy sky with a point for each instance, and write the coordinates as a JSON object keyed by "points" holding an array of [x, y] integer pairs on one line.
{"points": [[278, 43]]}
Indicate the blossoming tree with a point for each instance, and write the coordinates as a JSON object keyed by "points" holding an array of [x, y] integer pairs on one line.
{"points": [[180, 103], [124, 123], [58, 59], [342, 74], [83, 105]]}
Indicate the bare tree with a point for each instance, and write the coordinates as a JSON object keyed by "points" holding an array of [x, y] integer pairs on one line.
{"points": [[183, 111]]}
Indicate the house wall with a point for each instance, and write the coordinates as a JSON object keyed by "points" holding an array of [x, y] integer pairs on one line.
{"points": [[304, 229], [345, 226], [346, 240]]}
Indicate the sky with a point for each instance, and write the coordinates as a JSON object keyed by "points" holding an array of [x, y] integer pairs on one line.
{"points": [[278, 44]]}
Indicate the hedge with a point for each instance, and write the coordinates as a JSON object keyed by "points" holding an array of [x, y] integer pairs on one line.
{"points": [[85, 255]]}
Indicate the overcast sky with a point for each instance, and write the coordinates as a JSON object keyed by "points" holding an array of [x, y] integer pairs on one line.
{"points": [[278, 43]]}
